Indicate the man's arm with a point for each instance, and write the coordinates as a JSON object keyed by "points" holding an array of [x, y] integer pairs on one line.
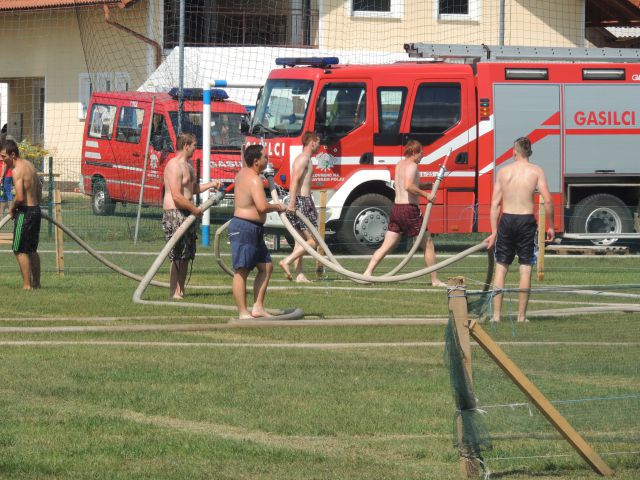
{"points": [[203, 187], [175, 187], [543, 188], [496, 202], [299, 166], [411, 186], [260, 199]]}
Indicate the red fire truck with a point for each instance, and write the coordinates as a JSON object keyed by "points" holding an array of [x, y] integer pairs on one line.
{"points": [[118, 134], [579, 107]]}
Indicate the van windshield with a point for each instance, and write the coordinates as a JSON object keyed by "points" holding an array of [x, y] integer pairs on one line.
{"points": [[225, 128], [282, 107]]}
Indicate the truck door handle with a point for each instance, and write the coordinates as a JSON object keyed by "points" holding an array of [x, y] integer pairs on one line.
{"points": [[135, 154]]}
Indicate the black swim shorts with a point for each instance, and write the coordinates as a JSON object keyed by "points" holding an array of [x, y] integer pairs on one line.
{"points": [[516, 235], [26, 229]]}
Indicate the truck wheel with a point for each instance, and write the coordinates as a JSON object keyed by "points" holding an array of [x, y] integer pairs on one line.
{"points": [[101, 203], [364, 224], [601, 213]]}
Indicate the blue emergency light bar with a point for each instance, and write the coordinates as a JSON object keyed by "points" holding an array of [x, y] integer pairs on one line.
{"points": [[217, 94], [321, 62]]}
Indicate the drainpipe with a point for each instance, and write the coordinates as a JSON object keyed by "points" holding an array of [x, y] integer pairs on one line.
{"points": [[156, 46]]}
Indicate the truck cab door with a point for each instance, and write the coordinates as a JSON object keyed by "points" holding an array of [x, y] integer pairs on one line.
{"points": [[129, 148], [161, 149], [343, 119], [441, 119]]}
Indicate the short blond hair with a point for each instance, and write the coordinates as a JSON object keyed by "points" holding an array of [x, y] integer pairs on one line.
{"points": [[522, 146]]}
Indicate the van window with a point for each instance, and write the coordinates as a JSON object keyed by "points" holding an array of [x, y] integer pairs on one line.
{"points": [[130, 124], [341, 108], [390, 107], [102, 117], [225, 128], [437, 108]]}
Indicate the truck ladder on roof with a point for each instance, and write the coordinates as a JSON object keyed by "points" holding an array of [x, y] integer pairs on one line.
{"points": [[489, 53]]}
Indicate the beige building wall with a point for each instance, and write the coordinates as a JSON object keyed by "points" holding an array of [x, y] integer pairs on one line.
{"points": [[527, 22]]}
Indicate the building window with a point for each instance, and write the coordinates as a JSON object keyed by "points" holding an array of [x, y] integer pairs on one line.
{"points": [[99, 82], [375, 8], [371, 5], [457, 9]]}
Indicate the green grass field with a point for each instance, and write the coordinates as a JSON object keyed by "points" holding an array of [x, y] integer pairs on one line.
{"points": [[322, 402]]}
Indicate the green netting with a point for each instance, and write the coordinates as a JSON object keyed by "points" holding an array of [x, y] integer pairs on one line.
{"points": [[474, 438]]}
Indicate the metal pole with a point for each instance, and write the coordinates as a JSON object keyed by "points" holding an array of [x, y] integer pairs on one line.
{"points": [[144, 168], [181, 66], [206, 159], [50, 206], [501, 39]]}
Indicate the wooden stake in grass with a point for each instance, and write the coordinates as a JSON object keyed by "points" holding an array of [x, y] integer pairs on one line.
{"points": [[541, 236], [59, 237], [458, 305], [321, 230]]}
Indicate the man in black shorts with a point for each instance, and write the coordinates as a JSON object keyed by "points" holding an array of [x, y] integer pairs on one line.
{"points": [[514, 192], [406, 218], [25, 210]]}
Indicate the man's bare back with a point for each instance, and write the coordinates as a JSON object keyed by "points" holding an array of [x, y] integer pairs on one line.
{"points": [[518, 183]]}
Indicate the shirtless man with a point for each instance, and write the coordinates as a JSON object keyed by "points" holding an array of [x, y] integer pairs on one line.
{"points": [[179, 186], [246, 233], [302, 201], [25, 210], [405, 215], [514, 193]]}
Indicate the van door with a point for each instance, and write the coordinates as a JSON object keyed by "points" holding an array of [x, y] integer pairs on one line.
{"points": [[129, 149], [161, 149], [440, 119], [343, 121]]}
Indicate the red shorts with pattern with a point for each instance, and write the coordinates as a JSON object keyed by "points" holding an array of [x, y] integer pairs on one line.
{"points": [[405, 219]]}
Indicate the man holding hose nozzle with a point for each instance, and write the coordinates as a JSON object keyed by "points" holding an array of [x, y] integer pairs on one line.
{"points": [[405, 214], [246, 233], [180, 185]]}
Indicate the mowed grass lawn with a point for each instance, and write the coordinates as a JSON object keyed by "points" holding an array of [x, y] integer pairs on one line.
{"points": [[319, 402]]}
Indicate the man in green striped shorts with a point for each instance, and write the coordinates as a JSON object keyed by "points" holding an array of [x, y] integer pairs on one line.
{"points": [[25, 210]]}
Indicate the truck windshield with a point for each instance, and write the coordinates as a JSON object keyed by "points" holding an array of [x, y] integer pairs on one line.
{"points": [[282, 108], [225, 128]]}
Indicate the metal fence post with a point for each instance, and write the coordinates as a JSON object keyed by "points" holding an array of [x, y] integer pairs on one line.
{"points": [[50, 205]]}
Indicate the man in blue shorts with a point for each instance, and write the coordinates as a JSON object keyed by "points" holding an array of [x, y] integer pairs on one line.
{"points": [[514, 192], [25, 210], [246, 233]]}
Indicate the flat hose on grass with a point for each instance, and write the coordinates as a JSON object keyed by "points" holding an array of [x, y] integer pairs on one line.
{"points": [[292, 314]]}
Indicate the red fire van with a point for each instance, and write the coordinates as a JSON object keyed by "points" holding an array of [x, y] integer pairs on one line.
{"points": [[117, 131]]}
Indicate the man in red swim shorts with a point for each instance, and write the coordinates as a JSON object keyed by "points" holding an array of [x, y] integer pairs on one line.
{"points": [[406, 218]]}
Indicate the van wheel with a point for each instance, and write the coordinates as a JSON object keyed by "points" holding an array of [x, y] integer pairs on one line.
{"points": [[101, 203], [601, 213], [364, 224]]}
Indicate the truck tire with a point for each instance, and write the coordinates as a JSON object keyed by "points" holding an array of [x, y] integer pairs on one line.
{"points": [[364, 224], [601, 213], [101, 203]]}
